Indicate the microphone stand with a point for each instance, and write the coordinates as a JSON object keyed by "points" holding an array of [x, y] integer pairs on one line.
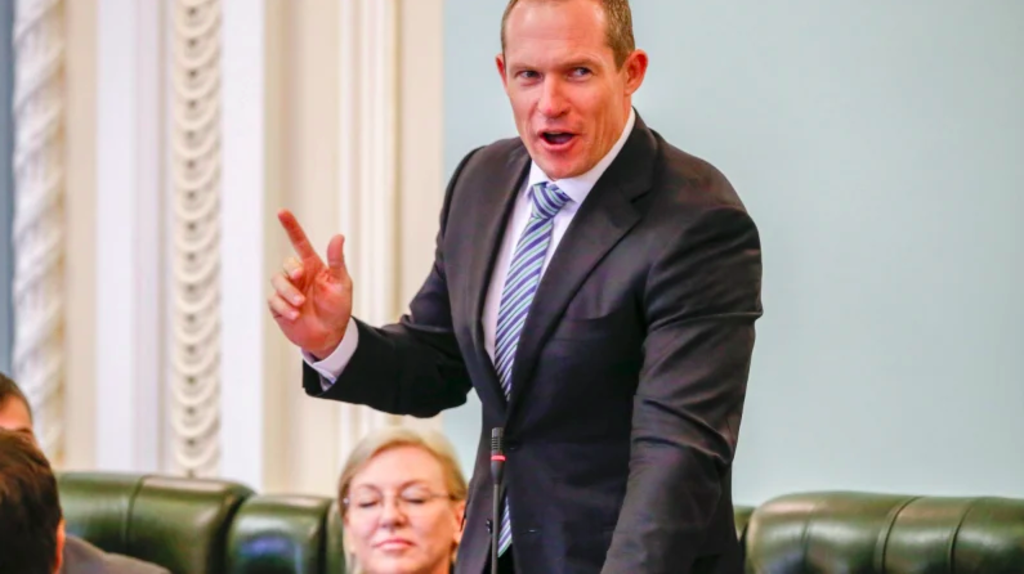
{"points": [[497, 470]]}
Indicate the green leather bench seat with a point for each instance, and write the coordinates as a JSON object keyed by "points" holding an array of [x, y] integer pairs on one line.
{"points": [[196, 526], [836, 532], [285, 535], [181, 524]]}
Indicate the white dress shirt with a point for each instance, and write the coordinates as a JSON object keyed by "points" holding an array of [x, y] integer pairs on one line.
{"points": [[577, 188]]}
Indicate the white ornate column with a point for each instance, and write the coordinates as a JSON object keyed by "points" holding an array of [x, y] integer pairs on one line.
{"points": [[195, 168], [294, 133], [38, 231], [80, 329], [251, 423], [129, 330], [367, 176]]}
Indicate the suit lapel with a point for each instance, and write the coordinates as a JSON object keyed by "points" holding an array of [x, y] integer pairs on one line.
{"points": [[606, 215], [494, 207]]}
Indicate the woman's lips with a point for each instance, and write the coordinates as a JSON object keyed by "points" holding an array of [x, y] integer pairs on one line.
{"points": [[394, 544]]}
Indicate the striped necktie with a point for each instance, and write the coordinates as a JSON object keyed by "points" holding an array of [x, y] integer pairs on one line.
{"points": [[521, 283]]}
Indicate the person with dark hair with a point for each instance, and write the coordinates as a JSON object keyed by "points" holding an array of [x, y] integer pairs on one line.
{"points": [[77, 555], [31, 526]]}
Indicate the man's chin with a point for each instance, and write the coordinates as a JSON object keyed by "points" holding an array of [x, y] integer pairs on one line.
{"points": [[557, 164], [560, 168]]}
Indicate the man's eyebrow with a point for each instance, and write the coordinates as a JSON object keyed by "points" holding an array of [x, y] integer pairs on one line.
{"points": [[582, 62], [575, 62]]}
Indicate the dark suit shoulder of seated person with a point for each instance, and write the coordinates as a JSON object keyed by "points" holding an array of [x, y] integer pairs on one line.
{"points": [[81, 557], [31, 524], [598, 288]]}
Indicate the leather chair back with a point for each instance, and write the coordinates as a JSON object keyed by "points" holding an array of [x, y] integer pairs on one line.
{"points": [[285, 535], [179, 523], [891, 534], [194, 526]]}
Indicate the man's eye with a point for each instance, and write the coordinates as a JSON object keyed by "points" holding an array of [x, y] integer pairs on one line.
{"points": [[580, 72], [528, 74]]}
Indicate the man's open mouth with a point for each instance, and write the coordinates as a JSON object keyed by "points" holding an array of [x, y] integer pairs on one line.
{"points": [[557, 138]]}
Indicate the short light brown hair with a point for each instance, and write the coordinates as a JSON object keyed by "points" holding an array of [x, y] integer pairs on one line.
{"points": [[619, 32]]}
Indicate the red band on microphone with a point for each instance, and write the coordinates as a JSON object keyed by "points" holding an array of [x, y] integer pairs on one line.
{"points": [[500, 457]]}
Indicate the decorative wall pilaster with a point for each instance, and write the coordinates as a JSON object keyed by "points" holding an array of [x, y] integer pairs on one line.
{"points": [[130, 324], [38, 231], [199, 120], [195, 292], [368, 177]]}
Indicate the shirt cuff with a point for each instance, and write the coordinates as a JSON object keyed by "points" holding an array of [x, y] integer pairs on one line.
{"points": [[332, 366]]}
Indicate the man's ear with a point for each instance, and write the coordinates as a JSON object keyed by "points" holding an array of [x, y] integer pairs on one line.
{"points": [[636, 69], [499, 62], [61, 537]]}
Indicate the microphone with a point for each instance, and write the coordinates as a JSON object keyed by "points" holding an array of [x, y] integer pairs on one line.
{"points": [[497, 471]]}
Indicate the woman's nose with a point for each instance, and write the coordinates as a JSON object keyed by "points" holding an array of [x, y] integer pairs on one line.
{"points": [[391, 512]]}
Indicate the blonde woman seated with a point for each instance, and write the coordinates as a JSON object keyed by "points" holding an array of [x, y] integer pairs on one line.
{"points": [[402, 499]]}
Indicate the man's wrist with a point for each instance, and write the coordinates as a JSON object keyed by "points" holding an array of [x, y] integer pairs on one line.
{"points": [[321, 354], [330, 362]]}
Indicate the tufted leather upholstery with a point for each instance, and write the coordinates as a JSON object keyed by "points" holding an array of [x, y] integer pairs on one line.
{"points": [[206, 526], [878, 533], [194, 526], [284, 535], [180, 524]]}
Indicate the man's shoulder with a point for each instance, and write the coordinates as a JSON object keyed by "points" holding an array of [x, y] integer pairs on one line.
{"points": [[494, 155], [81, 557], [689, 183]]}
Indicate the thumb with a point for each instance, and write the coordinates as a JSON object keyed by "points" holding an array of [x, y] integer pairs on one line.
{"points": [[336, 257]]}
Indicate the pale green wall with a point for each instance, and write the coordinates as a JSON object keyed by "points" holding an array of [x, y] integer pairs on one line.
{"points": [[880, 148]]}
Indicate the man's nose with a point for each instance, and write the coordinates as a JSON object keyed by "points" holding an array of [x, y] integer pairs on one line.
{"points": [[553, 102]]}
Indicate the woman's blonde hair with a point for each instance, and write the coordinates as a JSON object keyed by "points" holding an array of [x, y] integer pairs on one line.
{"points": [[370, 446]]}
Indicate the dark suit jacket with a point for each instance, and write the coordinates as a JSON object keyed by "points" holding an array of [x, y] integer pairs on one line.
{"points": [[631, 370], [80, 557]]}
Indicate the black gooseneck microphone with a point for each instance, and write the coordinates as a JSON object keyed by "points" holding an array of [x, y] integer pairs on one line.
{"points": [[497, 470]]}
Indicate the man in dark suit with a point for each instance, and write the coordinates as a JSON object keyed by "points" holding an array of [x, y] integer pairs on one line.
{"points": [[597, 287]]}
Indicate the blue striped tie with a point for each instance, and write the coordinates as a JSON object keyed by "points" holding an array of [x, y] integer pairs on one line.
{"points": [[520, 285]]}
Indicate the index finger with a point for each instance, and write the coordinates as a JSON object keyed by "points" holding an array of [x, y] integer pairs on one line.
{"points": [[295, 233]]}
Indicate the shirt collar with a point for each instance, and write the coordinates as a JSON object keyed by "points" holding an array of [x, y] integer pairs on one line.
{"points": [[579, 186]]}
